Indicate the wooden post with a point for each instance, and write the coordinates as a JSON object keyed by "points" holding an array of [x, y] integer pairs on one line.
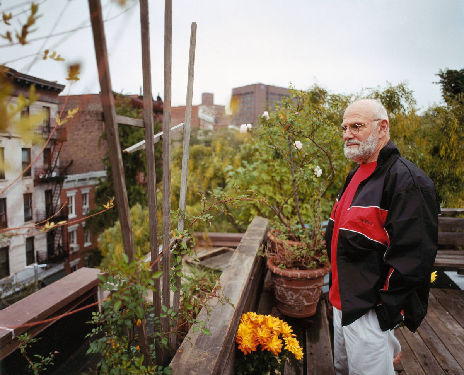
{"points": [[150, 155], [166, 159], [111, 127], [185, 159]]}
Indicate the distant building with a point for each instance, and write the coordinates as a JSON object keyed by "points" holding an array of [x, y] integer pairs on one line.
{"points": [[34, 198], [85, 151], [250, 101], [206, 115]]}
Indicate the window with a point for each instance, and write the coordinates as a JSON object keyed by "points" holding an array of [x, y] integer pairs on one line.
{"points": [[72, 239], [48, 203], [87, 240], [29, 250], [47, 159], [27, 206], [26, 158], [3, 217], [71, 205], [4, 262], [2, 163], [46, 121], [85, 203]]}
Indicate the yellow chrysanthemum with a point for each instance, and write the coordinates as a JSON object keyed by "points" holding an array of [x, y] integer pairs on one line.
{"points": [[293, 346], [247, 344], [274, 324], [274, 345], [286, 330], [264, 334]]}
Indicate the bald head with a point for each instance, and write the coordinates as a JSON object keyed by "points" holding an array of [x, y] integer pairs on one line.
{"points": [[372, 108]]}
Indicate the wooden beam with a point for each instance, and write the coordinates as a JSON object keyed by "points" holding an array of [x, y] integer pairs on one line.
{"points": [[124, 120], [150, 151], [112, 135], [185, 159], [156, 138], [167, 162]]}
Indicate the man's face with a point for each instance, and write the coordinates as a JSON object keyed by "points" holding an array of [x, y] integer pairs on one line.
{"points": [[361, 137]]}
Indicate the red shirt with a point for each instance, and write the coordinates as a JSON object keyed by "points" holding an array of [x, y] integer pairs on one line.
{"points": [[363, 172]]}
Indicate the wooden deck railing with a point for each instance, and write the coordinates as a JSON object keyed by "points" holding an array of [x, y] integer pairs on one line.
{"points": [[241, 283], [450, 240]]}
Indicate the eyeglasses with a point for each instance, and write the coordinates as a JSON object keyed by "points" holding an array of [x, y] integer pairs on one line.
{"points": [[354, 128]]}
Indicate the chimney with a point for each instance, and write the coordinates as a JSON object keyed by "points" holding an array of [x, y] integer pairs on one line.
{"points": [[207, 98]]}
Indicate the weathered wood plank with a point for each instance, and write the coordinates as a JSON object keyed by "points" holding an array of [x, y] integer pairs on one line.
{"points": [[452, 302], [112, 135], [439, 350], [137, 122], [408, 359], [167, 162], [452, 211], [446, 328], [156, 138], [451, 238], [150, 160], [451, 224], [200, 354], [319, 359], [422, 353]]}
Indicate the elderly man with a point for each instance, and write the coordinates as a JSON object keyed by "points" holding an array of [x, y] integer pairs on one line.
{"points": [[382, 241]]}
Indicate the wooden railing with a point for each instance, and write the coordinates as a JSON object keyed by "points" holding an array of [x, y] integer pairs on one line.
{"points": [[451, 239], [241, 284]]}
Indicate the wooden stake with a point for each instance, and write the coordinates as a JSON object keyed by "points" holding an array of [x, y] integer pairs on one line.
{"points": [[166, 160], [111, 127], [149, 151], [185, 159]]}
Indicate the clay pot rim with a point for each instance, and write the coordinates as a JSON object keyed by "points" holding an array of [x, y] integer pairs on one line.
{"points": [[312, 273]]}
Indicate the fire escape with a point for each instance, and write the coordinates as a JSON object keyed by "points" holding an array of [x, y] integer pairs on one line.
{"points": [[53, 175]]}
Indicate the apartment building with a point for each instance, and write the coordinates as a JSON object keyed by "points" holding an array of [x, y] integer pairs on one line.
{"points": [[250, 101], [33, 197]]}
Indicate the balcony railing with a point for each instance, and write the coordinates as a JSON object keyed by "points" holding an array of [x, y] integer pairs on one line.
{"points": [[46, 175]]}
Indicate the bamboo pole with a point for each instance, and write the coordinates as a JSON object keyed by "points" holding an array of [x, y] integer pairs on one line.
{"points": [[111, 127], [166, 160], [185, 159], [149, 152]]}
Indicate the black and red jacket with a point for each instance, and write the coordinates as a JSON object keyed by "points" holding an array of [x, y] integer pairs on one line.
{"points": [[387, 243]]}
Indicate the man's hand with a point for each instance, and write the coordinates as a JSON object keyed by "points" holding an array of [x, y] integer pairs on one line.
{"points": [[397, 359]]}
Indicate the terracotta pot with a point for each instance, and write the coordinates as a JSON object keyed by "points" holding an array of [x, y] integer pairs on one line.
{"points": [[297, 292]]}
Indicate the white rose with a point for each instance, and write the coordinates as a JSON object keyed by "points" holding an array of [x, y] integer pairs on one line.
{"points": [[318, 171], [243, 128], [298, 145], [265, 115]]}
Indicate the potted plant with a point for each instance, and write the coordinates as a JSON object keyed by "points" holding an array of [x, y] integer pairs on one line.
{"points": [[264, 345], [290, 164]]}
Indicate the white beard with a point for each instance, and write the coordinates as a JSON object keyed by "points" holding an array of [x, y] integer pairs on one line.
{"points": [[364, 150]]}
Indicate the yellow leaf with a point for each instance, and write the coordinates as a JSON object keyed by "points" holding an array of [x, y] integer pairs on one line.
{"points": [[433, 276], [73, 72]]}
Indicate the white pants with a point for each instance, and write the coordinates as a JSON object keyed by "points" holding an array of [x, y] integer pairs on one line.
{"points": [[362, 348]]}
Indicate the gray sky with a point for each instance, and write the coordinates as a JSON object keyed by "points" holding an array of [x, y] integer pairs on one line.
{"points": [[342, 45]]}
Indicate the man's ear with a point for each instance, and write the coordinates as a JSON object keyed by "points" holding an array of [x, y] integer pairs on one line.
{"points": [[383, 127]]}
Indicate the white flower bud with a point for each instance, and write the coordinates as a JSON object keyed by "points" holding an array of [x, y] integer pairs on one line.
{"points": [[318, 171], [298, 145], [265, 115]]}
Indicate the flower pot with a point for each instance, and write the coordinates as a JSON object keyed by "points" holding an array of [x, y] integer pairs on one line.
{"points": [[297, 292]]}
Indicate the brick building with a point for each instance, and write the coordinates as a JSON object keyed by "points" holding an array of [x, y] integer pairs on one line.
{"points": [[85, 150], [206, 115], [250, 101]]}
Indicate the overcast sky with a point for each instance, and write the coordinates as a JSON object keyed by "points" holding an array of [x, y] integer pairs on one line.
{"points": [[342, 45]]}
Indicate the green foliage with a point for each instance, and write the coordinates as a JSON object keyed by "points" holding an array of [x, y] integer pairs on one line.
{"points": [[452, 85], [291, 163], [210, 159], [125, 314], [37, 363], [134, 167], [110, 241]]}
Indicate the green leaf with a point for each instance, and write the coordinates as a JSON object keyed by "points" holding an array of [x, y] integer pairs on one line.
{"points": [[116, 306]]}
